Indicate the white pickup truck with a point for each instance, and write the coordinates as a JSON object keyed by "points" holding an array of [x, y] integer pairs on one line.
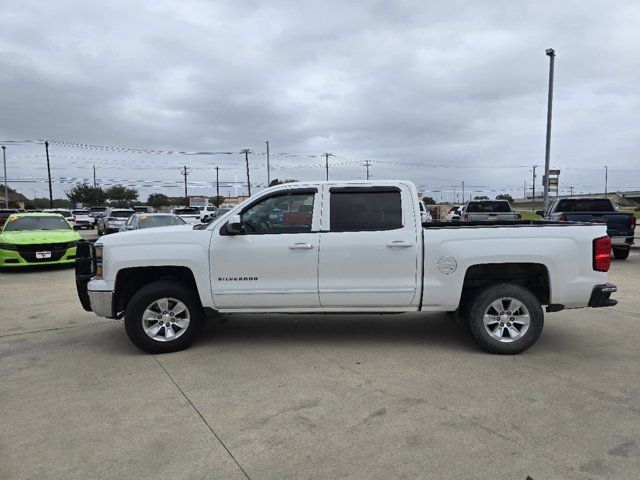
{"points": [[348, 247]]}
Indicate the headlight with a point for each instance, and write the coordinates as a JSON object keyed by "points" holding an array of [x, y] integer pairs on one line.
{"points": [[8, 246], [98, 261]]}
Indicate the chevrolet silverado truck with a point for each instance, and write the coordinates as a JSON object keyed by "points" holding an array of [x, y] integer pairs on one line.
{"points": [[344, 247], [620, 225]]}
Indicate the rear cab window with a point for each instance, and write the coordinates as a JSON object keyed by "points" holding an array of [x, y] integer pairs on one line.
{"points": [[358, 209], [585, 205], [488, 207]]}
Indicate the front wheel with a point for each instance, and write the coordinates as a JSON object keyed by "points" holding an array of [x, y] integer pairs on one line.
{"points": [[163, 316], [621, 253], [505, 319]]}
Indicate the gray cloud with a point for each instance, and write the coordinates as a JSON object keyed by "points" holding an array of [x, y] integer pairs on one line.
{"points": [[456, 84]]}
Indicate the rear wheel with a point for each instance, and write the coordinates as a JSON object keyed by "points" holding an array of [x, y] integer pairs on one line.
{"points": [[505, 319], [621, 253], [163, 316]]}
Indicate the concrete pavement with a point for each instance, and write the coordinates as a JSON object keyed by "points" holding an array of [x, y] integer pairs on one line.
{"points": [[300, 396]]}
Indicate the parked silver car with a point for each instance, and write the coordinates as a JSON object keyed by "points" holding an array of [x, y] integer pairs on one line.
{"points": [[151, 220], [113, 219]]}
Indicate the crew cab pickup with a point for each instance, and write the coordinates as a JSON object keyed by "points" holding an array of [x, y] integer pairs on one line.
{"points": [[620, 225], [347, 247], [488, 210]]}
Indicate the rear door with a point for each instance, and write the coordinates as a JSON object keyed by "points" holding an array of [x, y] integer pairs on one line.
{"points": [[369, 247]]}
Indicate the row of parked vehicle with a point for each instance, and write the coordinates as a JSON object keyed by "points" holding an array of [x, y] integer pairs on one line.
{"points": [[620, 225]]}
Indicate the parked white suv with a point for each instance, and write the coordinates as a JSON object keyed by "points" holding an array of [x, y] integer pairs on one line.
{"points": [[113, 219]]}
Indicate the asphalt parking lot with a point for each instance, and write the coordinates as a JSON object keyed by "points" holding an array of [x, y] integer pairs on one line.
{"points": [[322, 397]]}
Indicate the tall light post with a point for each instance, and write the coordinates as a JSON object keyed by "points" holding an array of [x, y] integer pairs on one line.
{"points": [[606, 178], [6, 188], [268, 166], [552, 55]]}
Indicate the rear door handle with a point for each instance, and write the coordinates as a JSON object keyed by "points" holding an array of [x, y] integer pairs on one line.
{"points": [[301, 246], [399, 244]]}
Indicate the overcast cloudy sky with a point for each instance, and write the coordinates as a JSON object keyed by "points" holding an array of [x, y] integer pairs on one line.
{"points": [[436, 92]]}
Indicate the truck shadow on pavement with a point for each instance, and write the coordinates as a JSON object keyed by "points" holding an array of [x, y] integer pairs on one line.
{"points": [[432, 329]]}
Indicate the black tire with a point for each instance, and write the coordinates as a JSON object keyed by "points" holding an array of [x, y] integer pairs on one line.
{"points": [[621, 253], [481, 302], [146, 296]]}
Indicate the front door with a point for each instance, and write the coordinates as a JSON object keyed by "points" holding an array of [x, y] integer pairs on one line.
{"points": [[274, 262], [369, 253]]}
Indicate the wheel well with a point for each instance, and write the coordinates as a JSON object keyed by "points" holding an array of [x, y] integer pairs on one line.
{"points": [[130, 280], [533, 276]]}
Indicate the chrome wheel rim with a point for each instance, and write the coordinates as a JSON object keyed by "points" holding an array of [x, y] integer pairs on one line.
{"points": [[506, 320], [165, 319]]}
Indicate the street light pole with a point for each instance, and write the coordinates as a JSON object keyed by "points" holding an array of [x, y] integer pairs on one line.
{"points": [[6, 188], [268, 167], [547, 150], [46, 149], [606, 178]]}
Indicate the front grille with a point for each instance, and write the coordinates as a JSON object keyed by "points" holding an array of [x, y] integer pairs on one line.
{"points": [[85, 260], [45, 247]]}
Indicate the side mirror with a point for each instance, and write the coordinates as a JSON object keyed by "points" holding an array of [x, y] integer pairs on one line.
{"points": [[234, 225], [540, 212]]}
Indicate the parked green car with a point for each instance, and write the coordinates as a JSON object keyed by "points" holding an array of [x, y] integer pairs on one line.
{"points": [[37, 239]]}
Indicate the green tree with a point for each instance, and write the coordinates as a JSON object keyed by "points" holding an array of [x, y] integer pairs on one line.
{"points": [[86, 194], [481, 197], [217, 201], [158, 200], [505, 196], [428, 201], [121, 196]]}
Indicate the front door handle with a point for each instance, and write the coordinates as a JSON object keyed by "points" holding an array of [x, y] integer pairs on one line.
{"points": [[301, 246], [399, 244]]}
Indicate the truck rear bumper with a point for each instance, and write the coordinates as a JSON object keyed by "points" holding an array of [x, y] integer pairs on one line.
{"points": [[621, 241], [600, 296]]}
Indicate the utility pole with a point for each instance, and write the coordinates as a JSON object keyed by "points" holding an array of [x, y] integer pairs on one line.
{"points": [[462, 191], [547, 150], [454, 195], [326, 163], [46, 149], [571, 191], [94, 177], [268, 168], [533, 196], [524, 190], [606, 178], [246, 160], [184, 171], [367, 164], [6, 188], [217, 182]]}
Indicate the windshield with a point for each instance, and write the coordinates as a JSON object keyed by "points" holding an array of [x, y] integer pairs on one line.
{"points": [[121, 213], [81, 212], [485, 207], [186, 211], [585, 205], [36, 223], [160, 221]]}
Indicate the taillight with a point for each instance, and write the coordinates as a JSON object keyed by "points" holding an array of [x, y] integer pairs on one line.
{"points": [[518, 216], [602, 254], [466, 216], [633, 222], [562, 218], [112, 219]]}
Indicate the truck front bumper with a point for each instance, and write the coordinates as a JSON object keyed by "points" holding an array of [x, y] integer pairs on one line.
{"points": [[600, 296], [101, 303]]}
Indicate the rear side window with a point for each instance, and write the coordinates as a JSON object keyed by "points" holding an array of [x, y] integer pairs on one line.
{"points": [[485, 207], [585, 205], [365, 209]]}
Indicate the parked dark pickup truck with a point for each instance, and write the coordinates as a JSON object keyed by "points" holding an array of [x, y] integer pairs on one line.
{"points": [[620, 225]]}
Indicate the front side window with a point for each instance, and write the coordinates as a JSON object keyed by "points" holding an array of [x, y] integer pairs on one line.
{"points": [[282, 213], [365, 209]]}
